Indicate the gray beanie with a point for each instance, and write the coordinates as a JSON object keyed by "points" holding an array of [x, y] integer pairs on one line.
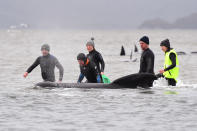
{"points": [[90, 43], [45, 47]]}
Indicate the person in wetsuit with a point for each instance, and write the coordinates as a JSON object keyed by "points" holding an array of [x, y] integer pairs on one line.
{"points": [[171, 65], [88, 69], [97, 58], [47, 64], [147, 58]]}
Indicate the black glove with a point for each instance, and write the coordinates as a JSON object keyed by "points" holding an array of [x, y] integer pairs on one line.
{"points": [[159, 75]]}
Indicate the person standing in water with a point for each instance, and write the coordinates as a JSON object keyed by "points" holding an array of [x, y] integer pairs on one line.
{"points": [[171, 64], [47, 64], [147, 59], [97, 58], [88, 69]]}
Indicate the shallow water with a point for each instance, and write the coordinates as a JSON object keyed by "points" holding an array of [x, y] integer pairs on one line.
{"points": [[162, 108]]}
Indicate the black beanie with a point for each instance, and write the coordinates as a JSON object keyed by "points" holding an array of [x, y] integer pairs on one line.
{"points": [[165, 43], [145, 39], [81, 56]]}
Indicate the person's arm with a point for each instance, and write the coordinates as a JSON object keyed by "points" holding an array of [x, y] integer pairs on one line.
{"points": [[61, 69], [173, 59], [100, 59], [150, 63], [159, 75], [140, 71], [34, 65], [81, 76]]}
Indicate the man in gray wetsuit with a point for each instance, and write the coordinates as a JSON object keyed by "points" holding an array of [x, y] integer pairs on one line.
{"points": [[47, 64]]}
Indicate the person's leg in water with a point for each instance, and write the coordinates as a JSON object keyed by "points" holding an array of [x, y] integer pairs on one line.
{"points": [[171, 82], [99, 80]]}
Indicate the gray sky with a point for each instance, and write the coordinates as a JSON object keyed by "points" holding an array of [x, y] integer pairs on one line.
{"points": [[88, 14]]}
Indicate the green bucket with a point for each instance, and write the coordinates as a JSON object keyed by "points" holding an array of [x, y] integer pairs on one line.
{"points": [[105, 79]]}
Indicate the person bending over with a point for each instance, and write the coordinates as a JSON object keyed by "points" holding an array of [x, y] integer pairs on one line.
{"points": [[88, 69]]}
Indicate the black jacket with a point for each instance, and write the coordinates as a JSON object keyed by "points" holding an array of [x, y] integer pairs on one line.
{"points": [[90, 72], [47, 65], [96, 57], [147, 62]]}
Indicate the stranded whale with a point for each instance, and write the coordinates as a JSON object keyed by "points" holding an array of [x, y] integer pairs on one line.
{"points": [[130, 81]]}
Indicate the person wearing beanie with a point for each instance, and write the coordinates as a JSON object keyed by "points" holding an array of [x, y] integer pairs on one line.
{"points": [[145, 39], [45, 47], [47, 64], [147, 58], [171, 64], [88, 69], [90, 43], [95, 57]]}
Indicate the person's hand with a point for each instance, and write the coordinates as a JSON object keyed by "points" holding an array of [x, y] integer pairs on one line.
{"points": [[161, 71], [25, 74], [102, 73], [59, 81], [159, 75]]}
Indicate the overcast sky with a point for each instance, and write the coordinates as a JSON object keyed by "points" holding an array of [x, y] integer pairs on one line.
{"points": [[98, 14]]}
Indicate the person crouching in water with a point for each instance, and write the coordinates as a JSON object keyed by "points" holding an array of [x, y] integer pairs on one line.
{"points": [[88, 69], [96, 57], [171, 65], [47, 64]]}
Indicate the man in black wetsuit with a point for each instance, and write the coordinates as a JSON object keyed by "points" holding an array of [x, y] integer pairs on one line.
{"points": [[96, 57], [47, 64], [171, 65], [88, 69], [147, 58]]}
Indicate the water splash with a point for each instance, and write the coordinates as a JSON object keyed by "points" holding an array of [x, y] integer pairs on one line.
{"points": [[163, 83]]}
